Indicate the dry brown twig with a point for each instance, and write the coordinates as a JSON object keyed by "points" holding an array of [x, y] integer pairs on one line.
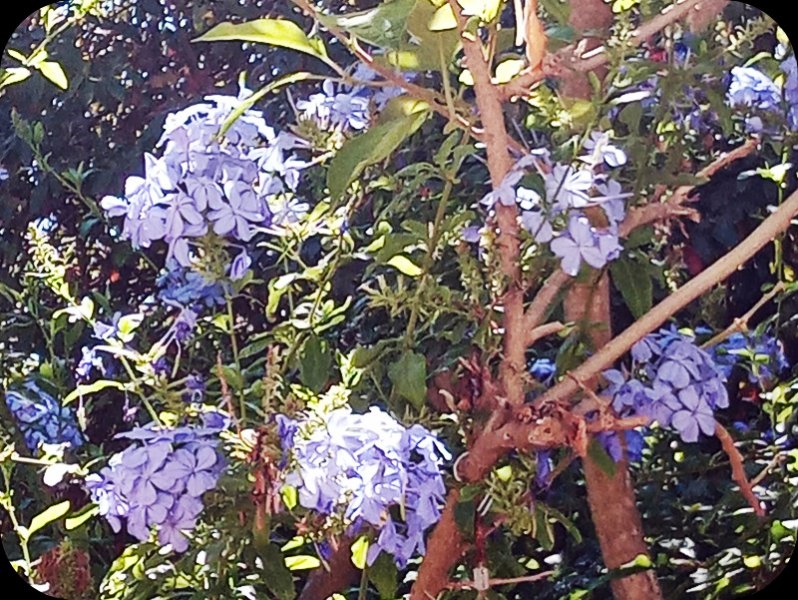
{"points": [[738, 470]]}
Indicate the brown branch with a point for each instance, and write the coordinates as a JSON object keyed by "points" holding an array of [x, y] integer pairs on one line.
{"points": [[543, 331], [537, 310], [323, 583], [673, 207], [491, 445], [500, 162], [520, 85], [776, 223], [470, 585], [738, 470], [741, 323]]}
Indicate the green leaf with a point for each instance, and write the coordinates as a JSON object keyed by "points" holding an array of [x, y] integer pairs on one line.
{"points": [[128, 324], [359, 551], [315, 363], [544, 533], [409, 377], [404, 265], [275, 32], [14, 75], [47, 516], [508, 69], [54, 73], [294, 543], [302, 563], [567, 523], [85, 389], [383, 26], [443, 19], [560, 10], [634, 282], [599, 455], [383, 574], [377, 144], [276, 575], [81, 517]]}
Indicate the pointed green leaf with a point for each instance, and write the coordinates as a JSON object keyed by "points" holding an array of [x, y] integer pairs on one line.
{"points": [[359, 551], [404, 265], [14, 75], [91, 388], [377, 144], [599, 455], [54, 73], [383, 574], [409, 377], [383, 26], [634, 282], [276, 575], [302, 563], [275, 32], [81, 517], [47, 516], [315, 363]]}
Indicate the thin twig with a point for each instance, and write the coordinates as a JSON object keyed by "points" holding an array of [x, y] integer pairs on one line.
{"points": [[741, 323], [470, 585], [738, 470], [673, 206]]}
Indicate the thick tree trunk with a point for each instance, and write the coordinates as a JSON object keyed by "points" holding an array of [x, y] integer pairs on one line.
{"points": [[611, 497]]}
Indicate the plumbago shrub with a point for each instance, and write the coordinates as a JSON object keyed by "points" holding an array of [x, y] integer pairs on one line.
{"points": [[472, 301]]}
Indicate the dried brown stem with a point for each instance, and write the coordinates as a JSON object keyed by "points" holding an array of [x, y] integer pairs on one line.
{"points": [[738, 470], [673, 207]]}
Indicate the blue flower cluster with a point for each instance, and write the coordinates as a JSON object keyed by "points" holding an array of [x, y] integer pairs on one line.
{"points": [[202, 183], [158, 481], [359, 467], [790, 68], [41, 418], [673, 382], [760, 354], [189, 288], [752, 88], [568, 190], [346, 107]]}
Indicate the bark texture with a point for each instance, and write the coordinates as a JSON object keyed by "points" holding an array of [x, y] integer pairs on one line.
{"points": [[618, 524]]}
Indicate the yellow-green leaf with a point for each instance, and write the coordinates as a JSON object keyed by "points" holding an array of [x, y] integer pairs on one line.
{"points": [[301, 563], [443, 19], [47, 516], [86, 389], [53, 72], [508, 69], [359, 551], [275, 32], [15, 75], [405, 265], [81, 517]]}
